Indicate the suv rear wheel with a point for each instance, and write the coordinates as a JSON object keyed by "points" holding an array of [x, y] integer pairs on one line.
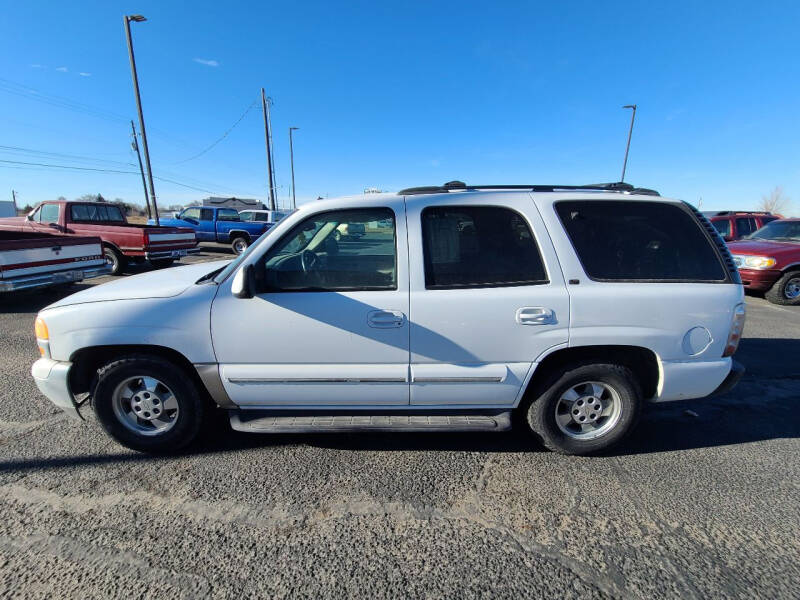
{"points": [[585, 408], [148, 404], [786, 290]]}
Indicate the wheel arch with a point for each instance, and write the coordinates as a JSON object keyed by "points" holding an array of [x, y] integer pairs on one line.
{"points": [[643, 362], [236, 233], [86, 362]]}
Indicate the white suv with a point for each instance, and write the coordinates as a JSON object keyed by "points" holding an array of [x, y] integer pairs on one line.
{"points": [[458, 307]]}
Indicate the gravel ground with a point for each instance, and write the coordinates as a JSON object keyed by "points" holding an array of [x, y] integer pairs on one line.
{"points": [[699, 504]]}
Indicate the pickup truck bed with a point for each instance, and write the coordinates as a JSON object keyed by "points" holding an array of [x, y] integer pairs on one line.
{"points": [[34, 260], [122, 241]]}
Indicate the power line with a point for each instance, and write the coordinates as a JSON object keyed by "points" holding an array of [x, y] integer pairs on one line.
{"points": [[222, 137], [16, 162], [74, 157]]}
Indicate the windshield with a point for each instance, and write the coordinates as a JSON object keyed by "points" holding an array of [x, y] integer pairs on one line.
{"points": [[223, 274], [782, 231]]}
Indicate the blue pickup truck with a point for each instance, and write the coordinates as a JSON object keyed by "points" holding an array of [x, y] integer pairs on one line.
{"points": [[223, 225]]}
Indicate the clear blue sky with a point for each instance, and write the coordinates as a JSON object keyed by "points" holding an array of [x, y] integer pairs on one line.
{"points": [[391, 95]]}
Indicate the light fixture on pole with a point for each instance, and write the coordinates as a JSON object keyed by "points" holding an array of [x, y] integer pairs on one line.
{"points": [[139, 19], [628, 146], [291, 161]]}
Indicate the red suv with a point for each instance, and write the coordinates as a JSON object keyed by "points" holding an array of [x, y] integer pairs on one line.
{"points": [[769, 261], [734, 225]]}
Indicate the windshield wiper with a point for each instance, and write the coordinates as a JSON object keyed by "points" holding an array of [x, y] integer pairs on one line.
{"points": [[209, 276]]}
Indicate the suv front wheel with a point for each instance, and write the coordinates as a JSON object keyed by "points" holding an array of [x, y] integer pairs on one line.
{"points": [[585, 408], [148, 404]]}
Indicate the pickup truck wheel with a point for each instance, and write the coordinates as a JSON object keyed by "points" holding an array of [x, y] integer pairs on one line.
{"points": [[115, 259], [239, 245], [162, 263], [148, 404], [585, 408], [786, 290]]}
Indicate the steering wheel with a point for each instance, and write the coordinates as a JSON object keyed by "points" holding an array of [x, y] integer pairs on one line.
{"points": [[309, 260]]}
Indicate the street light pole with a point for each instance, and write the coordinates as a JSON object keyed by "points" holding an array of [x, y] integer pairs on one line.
{"points": [[268, 138], [291, 160], [628, 146], [139, 19], [135, 146]]}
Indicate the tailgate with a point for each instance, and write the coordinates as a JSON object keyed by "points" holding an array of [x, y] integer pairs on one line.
{"points": [[37, 256], [164, 238]]}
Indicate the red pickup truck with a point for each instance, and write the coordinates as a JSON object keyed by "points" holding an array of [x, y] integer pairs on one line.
{"points": [[769, 261], [122, 241]]}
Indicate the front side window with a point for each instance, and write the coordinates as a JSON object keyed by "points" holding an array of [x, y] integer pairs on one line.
{"points": [[334, 251], [191, 213], [618, 240], [48, 213], [479, 246], [246, 215], [745, 226], [227, 214]]}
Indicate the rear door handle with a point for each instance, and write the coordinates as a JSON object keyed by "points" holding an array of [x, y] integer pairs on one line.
{"points": [[535, 315], [385, 319]]}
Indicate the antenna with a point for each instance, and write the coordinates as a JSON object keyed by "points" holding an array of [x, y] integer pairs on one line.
{"points": [[628, 146]]}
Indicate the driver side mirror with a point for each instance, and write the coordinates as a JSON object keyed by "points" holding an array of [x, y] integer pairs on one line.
{"points": [[244, 282], [29, 217]]}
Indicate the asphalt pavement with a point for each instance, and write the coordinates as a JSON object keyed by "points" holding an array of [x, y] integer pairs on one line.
{"points": [[701, 502]]}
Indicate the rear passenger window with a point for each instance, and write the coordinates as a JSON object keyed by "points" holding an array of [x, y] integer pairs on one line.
{"points": [[479, 246], [723, 226], [639, 241]]}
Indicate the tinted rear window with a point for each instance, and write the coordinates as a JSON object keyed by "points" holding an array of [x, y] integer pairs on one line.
{"points": [[96, 213], [644, 241]]}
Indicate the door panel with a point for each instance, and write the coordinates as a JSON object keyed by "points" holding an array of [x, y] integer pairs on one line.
{"points": [[320, 348], [477, 345]]}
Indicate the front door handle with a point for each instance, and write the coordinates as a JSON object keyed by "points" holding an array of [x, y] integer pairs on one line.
{"points": [[385, 319], [535, 315]]}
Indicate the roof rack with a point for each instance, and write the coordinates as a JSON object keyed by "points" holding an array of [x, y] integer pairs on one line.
{"points": [[618, 186], [721, 213]]}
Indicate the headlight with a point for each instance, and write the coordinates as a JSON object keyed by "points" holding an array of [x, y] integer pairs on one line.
{"points": [[754, 262]]}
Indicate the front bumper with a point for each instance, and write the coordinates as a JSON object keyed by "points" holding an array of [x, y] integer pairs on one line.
{"points": [[52, 379], [30, 282], [164, 254], [759, 280]]}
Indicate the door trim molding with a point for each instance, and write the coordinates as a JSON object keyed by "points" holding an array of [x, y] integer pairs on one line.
{"points": [[256, 380]]}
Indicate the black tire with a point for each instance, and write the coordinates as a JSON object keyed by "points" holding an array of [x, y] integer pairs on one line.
{"points": [[162, 263], [540, 413], [191, 407], [781, 291], [115, 259], [239, 244]]}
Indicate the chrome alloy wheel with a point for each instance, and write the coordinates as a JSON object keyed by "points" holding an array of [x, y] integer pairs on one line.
{"points": [[792, 288], [239, 245], [145, 405], [588, 410]]}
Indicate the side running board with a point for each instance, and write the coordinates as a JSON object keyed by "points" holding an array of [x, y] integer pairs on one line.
{"points": [[258, 421]]}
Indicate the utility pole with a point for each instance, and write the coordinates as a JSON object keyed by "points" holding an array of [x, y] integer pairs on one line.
{"points": [[135, 146], [291, 160], [268, 139], [628, 146], [139, 19]]}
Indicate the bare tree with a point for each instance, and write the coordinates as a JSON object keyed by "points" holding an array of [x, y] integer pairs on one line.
{"points": [[776, 202]]}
